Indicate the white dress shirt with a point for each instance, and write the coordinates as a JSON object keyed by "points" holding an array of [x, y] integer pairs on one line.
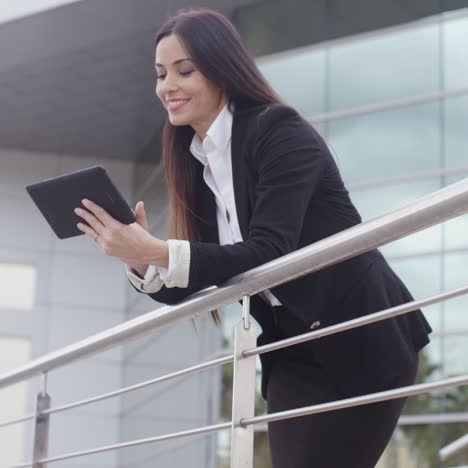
{"points": [[214, 152]]}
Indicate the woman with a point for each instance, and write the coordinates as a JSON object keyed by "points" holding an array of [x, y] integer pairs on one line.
{"points": [[250, 180]]}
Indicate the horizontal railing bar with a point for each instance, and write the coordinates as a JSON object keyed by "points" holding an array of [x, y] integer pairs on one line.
{"points": [[411, 420], [421, 419], [357, 322], [133, 443], [384, 106], [393, 180], [432, 209], [23, 465], [189, 370], [454, 447], [407, 391], [26, 417]]}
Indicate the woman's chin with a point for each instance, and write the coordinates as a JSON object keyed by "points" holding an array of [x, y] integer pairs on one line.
{"points": [[177, 120]]}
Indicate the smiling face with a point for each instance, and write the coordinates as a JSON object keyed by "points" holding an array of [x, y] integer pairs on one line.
{"points": [[189, 97]]}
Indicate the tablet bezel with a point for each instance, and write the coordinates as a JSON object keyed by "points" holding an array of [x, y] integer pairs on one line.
{"points": [[57, 197]]}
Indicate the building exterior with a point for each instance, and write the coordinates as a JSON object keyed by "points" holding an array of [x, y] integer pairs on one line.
{"points": [[385, 83]]}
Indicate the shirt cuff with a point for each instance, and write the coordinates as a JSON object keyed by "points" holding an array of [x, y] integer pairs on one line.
{"points": [[177, 272], [151, 283], [175, 275]]}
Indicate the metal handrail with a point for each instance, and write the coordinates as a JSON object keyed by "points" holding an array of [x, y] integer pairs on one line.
{"points": [[432, 209], [26, 417], [180, 373], [132, 443], [357, 322], [410, 390], [432, 418], [410, 420], [344, 326], [225, 359], [402, 392], [454, 447]]}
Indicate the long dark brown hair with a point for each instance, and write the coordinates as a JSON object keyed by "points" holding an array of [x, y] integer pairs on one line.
{"points": [[220, 55]]}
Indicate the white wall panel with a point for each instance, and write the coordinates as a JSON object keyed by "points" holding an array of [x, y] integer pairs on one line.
{"points": [[20, 168], [86, 379], [71, 324], [88, 281], [77, 431], [23, 226]]}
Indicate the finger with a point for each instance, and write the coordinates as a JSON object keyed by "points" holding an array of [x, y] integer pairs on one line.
{"points": [[90, 219], [87, 230], [100, 213], [141, 215], [138, 209]]}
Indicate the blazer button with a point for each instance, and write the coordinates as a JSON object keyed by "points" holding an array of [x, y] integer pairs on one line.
{"points": [[315, 325]]}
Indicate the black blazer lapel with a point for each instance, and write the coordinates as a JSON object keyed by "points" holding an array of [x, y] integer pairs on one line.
{"points": [[206, 208], [240, 169]]}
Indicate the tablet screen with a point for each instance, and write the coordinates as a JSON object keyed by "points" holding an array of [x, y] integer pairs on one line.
{"points": [[56, 198]]}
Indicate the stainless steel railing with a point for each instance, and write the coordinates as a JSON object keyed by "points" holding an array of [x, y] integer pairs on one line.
{"points": [[453, 448], [430, 210]]}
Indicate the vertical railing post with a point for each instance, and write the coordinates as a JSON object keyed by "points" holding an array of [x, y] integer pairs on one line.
{"points": [[41, 426], [243, 392]]}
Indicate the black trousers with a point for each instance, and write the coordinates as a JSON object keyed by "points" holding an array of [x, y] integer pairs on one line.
{"points": [[353, 437]]}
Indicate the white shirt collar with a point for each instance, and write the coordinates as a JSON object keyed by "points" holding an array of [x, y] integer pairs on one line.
{"points": [[217, 136]]}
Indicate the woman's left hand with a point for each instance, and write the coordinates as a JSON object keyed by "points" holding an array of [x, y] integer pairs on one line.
{"points": [[129, 242]]}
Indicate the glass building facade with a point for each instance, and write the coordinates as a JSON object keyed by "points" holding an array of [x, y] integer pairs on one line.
{"points": [[392, 105], [386, 84]]}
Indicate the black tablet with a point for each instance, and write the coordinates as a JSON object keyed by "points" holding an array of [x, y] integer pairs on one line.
{"points": [[56, 198]]}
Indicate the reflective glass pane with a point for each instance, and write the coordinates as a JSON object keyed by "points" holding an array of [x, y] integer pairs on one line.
{"points": [[231, 315], [456, 309], [455, 351], [456, 230], [321, 127], [273, 26], [422, 277], [430, 356], [379, 200], [456, 148], [298, 78], [394, 143], [390, 66], [456, 58]]}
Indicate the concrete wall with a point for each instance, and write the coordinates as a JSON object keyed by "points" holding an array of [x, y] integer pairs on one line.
{"points": [[79, 292]]}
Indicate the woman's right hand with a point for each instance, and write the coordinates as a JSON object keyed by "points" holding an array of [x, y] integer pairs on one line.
{"points": [[141, 219]]}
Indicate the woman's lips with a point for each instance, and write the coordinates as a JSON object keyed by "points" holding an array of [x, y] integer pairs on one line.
{"points": [[174, 106]]}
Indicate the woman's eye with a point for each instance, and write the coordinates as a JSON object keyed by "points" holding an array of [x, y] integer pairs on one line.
{"points": [[160, 77], [186, 73]]}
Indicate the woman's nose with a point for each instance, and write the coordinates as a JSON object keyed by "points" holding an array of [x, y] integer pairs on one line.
{"points": [[169, 84]]}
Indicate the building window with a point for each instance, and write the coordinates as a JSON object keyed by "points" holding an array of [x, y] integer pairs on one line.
{"points": [[18, 286]]}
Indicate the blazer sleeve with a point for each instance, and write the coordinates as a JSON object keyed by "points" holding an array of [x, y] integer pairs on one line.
{"points": [[290, 158], [170, 296]]}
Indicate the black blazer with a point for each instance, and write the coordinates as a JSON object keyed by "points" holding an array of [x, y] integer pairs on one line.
{"points": [[289, 194]]}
